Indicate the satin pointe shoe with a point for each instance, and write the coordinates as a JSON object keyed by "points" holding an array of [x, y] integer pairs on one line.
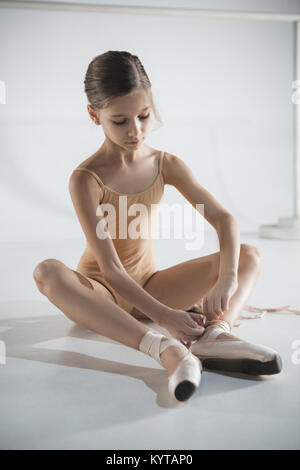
{"points": [[219, 350], [183, 382]]}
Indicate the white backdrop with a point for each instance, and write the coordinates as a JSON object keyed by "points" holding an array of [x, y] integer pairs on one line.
{"points": [[222, 87]]}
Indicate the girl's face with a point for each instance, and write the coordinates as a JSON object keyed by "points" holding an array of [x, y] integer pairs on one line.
{"points": [[128, 118]]}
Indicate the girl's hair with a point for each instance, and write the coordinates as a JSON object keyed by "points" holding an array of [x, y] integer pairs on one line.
{"points": [[113, 74]]}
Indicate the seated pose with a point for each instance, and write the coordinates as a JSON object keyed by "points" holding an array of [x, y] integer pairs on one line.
{"points": [[116, 281]]}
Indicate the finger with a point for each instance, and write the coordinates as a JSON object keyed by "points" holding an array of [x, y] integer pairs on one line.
{"points": [[211, 316], [194, 331], [222, 308], [211, 306], [192, 324], [186, 336], [195, 338], [225, 303], [218, 308], [199, 318], [194, 316], [197, 308], [195, 320], [205, 309]]}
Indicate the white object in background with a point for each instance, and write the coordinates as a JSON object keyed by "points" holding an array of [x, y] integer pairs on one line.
{"points": [[2, 92]]}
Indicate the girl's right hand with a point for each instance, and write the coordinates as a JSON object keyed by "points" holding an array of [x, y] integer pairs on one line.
{"points": [[184, 326]]}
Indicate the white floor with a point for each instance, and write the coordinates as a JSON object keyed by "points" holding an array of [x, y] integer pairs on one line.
{"points": [[64, 387]]}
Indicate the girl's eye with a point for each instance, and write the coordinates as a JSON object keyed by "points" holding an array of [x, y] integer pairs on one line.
{"points": [[123, 122]]}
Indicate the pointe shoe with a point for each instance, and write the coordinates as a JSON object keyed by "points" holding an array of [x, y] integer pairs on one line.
{"points": [[186, 378], [219, 350]]}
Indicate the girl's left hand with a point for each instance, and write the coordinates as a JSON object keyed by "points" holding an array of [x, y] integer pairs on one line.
{"points": [[216, 301]]}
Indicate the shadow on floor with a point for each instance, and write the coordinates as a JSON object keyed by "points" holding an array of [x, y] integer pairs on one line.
{"points": [[24, 337]]}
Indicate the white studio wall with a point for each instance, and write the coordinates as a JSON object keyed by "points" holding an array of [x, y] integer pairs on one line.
{"points": [[223, 88]]}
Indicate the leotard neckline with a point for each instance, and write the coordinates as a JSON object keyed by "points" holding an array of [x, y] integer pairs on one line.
{"points": [[159, 174]]}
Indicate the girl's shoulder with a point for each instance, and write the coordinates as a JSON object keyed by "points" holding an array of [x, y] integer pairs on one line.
{"points": [[171, 164]]}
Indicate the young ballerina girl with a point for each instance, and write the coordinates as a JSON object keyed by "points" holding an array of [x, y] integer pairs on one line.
{"points": [[116, 281]]}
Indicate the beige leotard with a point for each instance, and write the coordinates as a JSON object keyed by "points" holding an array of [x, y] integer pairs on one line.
{"points": [[136, 255]]}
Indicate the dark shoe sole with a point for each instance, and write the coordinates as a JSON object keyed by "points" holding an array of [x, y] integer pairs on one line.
{"points": [[246, 366], [184, 390]]}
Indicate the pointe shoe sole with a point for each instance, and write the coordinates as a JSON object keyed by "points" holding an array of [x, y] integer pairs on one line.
{"points": [[246, 366], [184, 390]]}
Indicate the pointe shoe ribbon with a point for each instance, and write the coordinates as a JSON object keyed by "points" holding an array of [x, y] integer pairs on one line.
{"points": [[186, 378]]}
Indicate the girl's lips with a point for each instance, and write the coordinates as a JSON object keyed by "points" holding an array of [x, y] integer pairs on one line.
{"points": [[133, 142]]}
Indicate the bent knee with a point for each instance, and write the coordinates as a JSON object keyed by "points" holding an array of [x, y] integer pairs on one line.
{"points": [[250, 252], [47, 270]]}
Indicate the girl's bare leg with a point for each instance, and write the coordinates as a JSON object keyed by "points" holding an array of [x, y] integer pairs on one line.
{"points": [[185, 284], [90, 304]]}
